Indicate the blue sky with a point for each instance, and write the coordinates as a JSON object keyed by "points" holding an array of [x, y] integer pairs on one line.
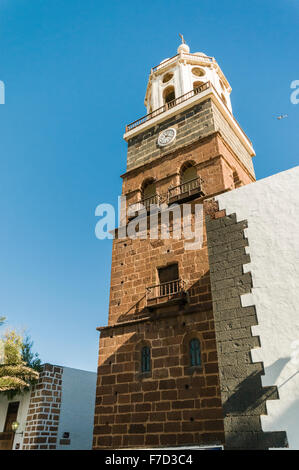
{"points": [[75, 73]]}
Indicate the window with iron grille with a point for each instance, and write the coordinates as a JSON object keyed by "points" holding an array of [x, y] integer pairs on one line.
{"points": [[145, 359], [194, 351]]}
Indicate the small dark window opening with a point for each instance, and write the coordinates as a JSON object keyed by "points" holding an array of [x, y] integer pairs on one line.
{"points": [[149, 190], [168, 280], [189, 173], [197, 85], [194, 350], [145, 359], [169, 94], [168, 274], [170, 97]]}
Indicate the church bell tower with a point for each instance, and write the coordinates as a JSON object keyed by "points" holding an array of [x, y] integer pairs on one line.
{"points": [[158, 375]]}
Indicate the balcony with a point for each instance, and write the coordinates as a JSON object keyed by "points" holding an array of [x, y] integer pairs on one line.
{"points": [[144, 203], [168, 106], [172, 291], [186, 191]]}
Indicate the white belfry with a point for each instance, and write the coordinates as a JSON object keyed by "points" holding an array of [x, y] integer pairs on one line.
{"points": [[181, 74]]}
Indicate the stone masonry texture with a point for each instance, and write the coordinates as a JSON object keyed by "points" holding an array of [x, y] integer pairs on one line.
{"points": [[174, 404], [215, 161], [230, 137], [44, 410], [191, 125], [242, 394]]}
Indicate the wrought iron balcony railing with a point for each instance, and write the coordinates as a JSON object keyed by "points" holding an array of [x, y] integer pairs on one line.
{"points": [[180, 100], [165, 291], [184, 190], [146, 203], [169, 105]]}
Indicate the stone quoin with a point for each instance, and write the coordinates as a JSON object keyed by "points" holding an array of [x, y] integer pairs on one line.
{"points": [[164, 371]]}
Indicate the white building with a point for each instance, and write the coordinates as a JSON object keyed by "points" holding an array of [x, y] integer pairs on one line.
{"points": [[269, 210], [57, 413]]}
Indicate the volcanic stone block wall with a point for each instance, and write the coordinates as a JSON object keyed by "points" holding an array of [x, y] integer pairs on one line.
{"points": [[191, 125], [174, 404], [231, 138], [134, 269], [242, 394], [205, 155], [44, 410]]}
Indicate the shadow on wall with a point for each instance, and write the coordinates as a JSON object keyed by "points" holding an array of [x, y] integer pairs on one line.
{"points": [[197, 293], [273, 372], [250, 395], [172, 403], [244, 405], [288, 420]]}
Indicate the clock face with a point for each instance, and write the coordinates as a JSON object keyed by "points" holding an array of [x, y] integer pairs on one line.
{"points": [[166, 137]]}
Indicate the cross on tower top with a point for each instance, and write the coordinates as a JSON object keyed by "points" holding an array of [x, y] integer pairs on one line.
{"points": [[182, 38]]}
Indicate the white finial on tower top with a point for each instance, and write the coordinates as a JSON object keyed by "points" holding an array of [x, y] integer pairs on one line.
{"points": [[183, 47]]}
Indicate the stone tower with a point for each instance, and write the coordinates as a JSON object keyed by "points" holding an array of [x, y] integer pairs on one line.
{"points": [[158, 371]]}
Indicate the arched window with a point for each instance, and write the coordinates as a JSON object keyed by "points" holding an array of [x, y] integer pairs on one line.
{"points": [[194, 352], [169, 94], [149, 189], [188, 173], [145, 359], [197, 84], [149, 193]]}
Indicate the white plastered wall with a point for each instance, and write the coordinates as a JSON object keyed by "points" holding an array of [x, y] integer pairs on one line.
{"points": [[271, 207], [77, 408]]}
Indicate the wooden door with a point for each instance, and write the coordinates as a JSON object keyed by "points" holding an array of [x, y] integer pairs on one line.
{"points": [[7, 436], [11, 416], [6, 440]]}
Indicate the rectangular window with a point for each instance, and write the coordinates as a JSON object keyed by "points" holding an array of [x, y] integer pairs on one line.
{"points": [[168, 274], [145, 359], [168, 280]]}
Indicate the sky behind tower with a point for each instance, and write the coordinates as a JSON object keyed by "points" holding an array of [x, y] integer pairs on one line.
{"points": [[75, 73]]}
